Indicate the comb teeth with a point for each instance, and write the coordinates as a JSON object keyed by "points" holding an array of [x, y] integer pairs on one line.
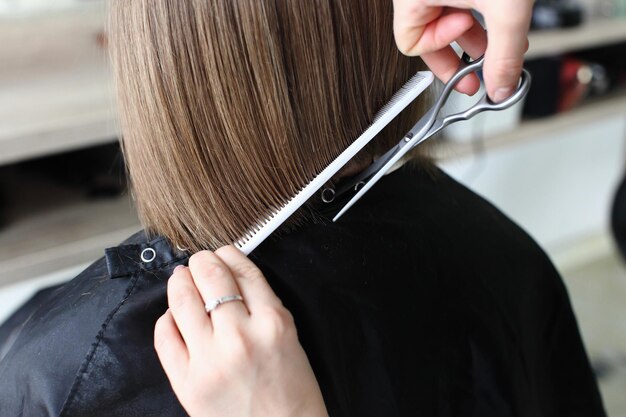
{"points": [[257, 233], [263, 223], [260, 224], [407, 88]]}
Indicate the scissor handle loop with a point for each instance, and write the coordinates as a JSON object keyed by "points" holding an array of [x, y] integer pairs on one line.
{"points": [[485, 103], [467, 66]]}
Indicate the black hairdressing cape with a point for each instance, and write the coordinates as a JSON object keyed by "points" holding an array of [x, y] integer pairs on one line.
{"points": [[424, 300]]}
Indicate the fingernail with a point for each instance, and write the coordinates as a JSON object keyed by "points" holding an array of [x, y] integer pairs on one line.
{"points": [[178, 268], [502, 94]]}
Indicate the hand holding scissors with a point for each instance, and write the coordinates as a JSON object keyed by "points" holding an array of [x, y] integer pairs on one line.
{"points": [[428, 27], [428, 126]]}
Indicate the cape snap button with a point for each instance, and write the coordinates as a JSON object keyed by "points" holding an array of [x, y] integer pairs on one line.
{"points": [[148, 255]]}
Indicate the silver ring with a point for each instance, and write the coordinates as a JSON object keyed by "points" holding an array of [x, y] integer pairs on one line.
{"points": [[213, 303]]}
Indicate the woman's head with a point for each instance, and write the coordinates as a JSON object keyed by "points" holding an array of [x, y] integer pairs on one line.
{"points": [[228, 107]]}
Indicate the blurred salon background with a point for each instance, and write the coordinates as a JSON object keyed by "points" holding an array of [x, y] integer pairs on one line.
{"points": [[554, 163]]}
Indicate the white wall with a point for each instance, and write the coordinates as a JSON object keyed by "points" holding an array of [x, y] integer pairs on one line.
{"points": [[558, 187]]}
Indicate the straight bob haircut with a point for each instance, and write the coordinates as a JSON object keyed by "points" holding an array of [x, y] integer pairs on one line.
{"points": [[229, 107]]}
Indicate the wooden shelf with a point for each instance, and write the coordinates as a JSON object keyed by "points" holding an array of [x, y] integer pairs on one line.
{"points": [[55, 114], [28, 9], [55, 87], [598, 109], [63, 237], [589, 35]]}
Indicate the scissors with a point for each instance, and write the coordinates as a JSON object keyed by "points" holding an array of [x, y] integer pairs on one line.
{"points": [[428, 126]]}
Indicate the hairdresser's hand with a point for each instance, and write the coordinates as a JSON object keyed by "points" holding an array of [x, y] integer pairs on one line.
{"points": [[428, 27], [244, 359]]}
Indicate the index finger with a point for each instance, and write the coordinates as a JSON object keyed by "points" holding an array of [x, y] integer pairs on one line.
{"points": [[214, 280], [255, 289], [507, 32]]}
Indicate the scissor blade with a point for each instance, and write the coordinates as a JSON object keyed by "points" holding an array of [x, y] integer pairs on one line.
{"points": [[381, 172], [400, 152]]}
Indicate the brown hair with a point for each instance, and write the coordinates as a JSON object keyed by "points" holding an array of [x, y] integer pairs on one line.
{"points": [[228, 107]]}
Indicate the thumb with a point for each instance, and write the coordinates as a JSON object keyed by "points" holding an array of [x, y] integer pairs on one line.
{"points": [[507, 27]]}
